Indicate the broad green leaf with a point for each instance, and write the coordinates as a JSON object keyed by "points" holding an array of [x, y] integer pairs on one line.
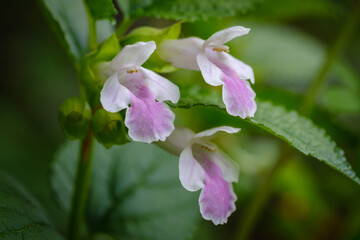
{"points": [[70, 22], [145, 34], [298, 131], [135, 192], [101, 9], [289, 10], [191, 10], [129, 7], [21, 216]]}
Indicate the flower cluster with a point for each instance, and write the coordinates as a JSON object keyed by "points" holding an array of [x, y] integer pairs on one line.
{"points": [[143, 92]]}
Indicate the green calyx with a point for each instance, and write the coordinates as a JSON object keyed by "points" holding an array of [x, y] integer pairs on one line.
{"points": [[74, 118], [109, 128]]}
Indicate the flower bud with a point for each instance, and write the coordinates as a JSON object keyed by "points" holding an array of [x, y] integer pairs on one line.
{"points": [[109, 128], [74, 118]]}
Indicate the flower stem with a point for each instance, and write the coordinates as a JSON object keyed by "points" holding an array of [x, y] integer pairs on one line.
{"points": [[80, 192], [124, 26], [338, 46], [253, 211]]}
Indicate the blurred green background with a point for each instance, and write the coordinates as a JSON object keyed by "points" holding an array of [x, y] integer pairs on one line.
{"points": [[286, 47]]}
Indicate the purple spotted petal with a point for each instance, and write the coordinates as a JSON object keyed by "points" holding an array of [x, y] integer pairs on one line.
{"points": [[238, 97], [217, 198], [148, 120]]}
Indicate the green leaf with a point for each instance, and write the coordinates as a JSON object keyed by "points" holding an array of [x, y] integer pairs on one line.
{"points": [[21, 216], [146, 34], [129, 7], [290, 10], [101, 9], [69, 21], [298, 131], [191, 10], [135, 192]]}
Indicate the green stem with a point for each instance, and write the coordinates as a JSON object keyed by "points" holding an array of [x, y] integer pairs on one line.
{"points": [[262, 195], [92, 29], [253, 211], [124, 26], [80, 193], [338, 46]]}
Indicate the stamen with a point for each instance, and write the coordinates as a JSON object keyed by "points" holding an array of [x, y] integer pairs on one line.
{"points": [[132, 71], [219, 49], [208, 148]]}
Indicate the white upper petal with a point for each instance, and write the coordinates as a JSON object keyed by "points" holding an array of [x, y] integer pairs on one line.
{"points": [[211, 73], [133, 55], [215, 132], [162, 88], [223, 36], [181, 53], [114, 96], [178, 140], [191, 173]]}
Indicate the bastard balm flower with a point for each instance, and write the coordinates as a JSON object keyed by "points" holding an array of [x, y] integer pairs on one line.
{"points": [[142, 92], [203, 166], [217, 66]]}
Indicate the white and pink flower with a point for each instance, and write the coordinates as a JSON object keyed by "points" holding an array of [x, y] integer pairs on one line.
{"points": [[142, 92], [203, 166], [217, 67]]}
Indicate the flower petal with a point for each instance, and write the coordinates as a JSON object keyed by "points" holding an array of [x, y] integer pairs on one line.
{"points": [[217, 198], [162, 88], [181, 53], [191, 173], [230, 65], [133, 55], [216, 132], [114, 96], [211, 73], [221, 37], [178, 140], [229, 168], [148, 120], [238, 97]]}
